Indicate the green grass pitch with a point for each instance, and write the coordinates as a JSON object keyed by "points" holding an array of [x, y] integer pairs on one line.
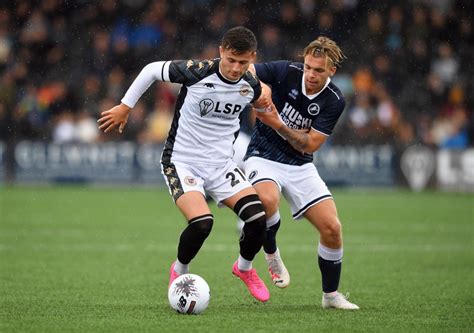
{"points": [[78, 259]]}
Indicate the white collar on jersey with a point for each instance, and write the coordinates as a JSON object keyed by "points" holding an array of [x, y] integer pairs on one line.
{"points": [[314, 95]]}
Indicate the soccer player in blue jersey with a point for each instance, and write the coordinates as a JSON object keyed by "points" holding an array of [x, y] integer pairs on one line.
{"points": [[279, 158], [197, 157]]}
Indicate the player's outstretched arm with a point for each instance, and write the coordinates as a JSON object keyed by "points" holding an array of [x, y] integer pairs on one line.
{"points": [[305, 141], [118, 115]]}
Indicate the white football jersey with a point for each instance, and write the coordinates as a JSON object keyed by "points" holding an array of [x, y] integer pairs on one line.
{"points": [[206, 120]]}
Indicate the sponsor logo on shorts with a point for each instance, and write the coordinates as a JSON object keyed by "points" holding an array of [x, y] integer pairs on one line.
{"points": [[190, 181], [253, 174]]}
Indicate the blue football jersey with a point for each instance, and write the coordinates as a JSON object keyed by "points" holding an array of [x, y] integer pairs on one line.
{"points": [[319, 112]]}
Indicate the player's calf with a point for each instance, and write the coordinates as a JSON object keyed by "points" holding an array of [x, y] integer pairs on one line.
{"points": [[193, 237], [250, 210]]}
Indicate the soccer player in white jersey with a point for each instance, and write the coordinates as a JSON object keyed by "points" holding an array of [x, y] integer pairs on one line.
{"points": [[197, 157], [279, 158]]}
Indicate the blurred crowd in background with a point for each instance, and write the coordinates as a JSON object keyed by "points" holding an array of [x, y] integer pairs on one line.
{"points": [[407, 79]]}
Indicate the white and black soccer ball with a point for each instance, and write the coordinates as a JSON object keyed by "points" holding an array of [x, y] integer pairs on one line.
{"points": [[189, 294]]}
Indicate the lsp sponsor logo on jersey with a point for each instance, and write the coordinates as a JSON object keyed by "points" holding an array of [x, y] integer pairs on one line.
{"points": [[293, 119], [207, 105]]}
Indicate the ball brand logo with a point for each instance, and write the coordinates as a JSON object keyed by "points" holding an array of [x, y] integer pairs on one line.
{"points": [[206, 106], [187, 287], [313, 109]]}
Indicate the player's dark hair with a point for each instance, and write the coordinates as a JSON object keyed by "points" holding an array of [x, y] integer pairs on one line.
{"points": [[325, 47], [240, 40]]}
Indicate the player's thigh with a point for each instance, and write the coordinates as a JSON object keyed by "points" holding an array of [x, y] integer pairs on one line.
{"points": [[185, 184], [192, 204], [266, 176], [303, 188], [323, 216], [227, 183], [232, 200]]}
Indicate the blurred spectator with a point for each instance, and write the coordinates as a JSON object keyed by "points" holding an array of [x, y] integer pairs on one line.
{"points": [[417, 59], [361, 116], [394, 41], [64, 128], [270, 43], [158, 123], [4, 123], [450, 131], [136, 123], [6, 43], [86, 128], [363, 80], [445, 65]]}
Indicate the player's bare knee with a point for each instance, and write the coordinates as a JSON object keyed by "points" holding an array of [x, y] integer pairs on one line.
{"points": [[332, 231], [270, 202]]}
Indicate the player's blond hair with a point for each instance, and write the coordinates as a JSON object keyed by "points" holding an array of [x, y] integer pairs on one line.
{"points": [[325, 47]]}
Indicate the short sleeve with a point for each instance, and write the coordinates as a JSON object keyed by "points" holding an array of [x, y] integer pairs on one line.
{"points": [[272, 72]]}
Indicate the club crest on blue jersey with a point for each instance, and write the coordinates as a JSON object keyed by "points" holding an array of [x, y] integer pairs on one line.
{"points": [[313, 109], [206, 106]]}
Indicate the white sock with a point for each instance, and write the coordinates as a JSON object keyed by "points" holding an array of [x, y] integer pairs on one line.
{"points": [[273, 255], [331, 294], [272, 220], [181, 268], [244, 264], [329, 254]]}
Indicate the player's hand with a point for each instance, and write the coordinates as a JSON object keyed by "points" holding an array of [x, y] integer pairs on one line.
{"points": [[265, 99], [270, 117], [116, 116]]}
